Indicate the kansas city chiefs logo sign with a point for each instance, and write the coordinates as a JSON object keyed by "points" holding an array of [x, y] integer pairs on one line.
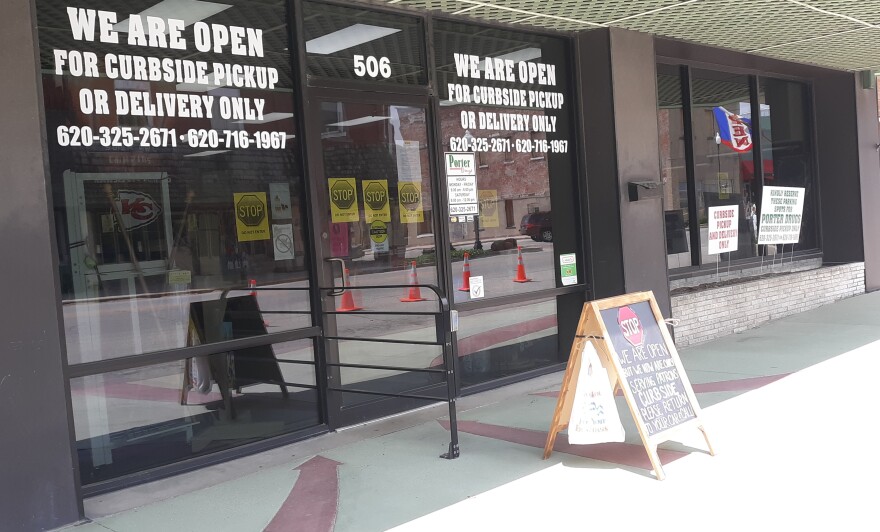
{"points": [[136, 209], [630, 326]]}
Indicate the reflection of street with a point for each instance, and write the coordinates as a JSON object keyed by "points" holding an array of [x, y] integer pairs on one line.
{"points": [[112, 328], [105, 329], [150, 396], [144, 396], [488, 328]]}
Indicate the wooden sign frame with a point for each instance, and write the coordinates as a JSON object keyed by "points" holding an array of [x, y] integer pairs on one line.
{"points": [[592, 328]]}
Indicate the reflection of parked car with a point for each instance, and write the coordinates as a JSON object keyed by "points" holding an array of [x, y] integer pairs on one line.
{"points": [[538, 226]]}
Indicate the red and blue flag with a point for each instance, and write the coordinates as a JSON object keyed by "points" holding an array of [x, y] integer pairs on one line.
{"points": [[734, 130]]}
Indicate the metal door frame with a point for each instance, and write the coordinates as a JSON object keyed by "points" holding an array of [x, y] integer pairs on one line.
{"points": [[337, 415]]}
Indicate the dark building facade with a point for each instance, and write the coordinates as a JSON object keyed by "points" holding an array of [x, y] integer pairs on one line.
{"points": [[231, 226]]}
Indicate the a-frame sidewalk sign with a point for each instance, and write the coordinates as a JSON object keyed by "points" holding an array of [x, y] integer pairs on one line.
{"points": [[638, 353]]}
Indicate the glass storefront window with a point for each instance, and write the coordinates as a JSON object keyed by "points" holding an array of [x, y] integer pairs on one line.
{"points": [[673, 166], [725, 134], [358, 44], [399, 355], [138, 419], [379, 211], [723, 157], [505, 115], [378, 179], [786, 147], [174, 165], [501, 341]]}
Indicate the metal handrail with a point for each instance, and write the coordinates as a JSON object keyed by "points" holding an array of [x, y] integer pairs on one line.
{"points": [[443, 339]]}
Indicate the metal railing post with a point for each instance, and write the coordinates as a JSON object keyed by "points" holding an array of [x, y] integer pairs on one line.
{"points": [[444, 332]]}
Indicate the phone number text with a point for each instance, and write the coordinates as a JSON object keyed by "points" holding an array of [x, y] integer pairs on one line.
{"points": [[497, 144], [154, 137]]}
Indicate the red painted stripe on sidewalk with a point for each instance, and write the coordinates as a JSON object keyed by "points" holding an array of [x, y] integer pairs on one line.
{"points": [[313, 500], [625, 454], [736, 385]]}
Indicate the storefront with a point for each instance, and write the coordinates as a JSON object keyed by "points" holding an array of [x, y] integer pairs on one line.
{"points": [[215, 174], [259, 214]]}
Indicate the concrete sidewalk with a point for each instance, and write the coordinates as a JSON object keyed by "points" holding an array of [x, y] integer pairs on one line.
{"points": [[789, 408]]}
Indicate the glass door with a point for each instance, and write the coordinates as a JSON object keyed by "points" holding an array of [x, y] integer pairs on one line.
{"points": [[371, 173]]}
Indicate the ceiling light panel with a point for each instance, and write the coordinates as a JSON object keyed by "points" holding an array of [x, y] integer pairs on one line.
{"points": [[189, 11], [359, 121], [349, 37]]}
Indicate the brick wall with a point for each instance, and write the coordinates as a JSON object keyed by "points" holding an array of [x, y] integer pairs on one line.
{"points": [[709, 313]]}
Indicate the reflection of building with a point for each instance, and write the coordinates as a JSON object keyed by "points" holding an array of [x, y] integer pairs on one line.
{"points": [[211, 245], [520, 179]]}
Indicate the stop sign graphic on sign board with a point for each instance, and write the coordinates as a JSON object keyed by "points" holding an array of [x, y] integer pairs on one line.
{"points": [[630, 326]]}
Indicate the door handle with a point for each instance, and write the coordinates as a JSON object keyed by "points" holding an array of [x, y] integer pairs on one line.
{"points": [[334, 291]]}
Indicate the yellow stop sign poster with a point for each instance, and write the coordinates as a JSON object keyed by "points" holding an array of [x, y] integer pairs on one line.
{"points": [[251, 217]]}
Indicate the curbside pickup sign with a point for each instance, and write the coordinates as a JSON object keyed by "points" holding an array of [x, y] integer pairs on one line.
{"points": [[723, 231], [251, 216]]}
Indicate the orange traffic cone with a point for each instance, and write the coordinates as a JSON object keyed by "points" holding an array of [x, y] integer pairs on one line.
{"points": [[414, 293], [466, 274], [520, 268], [252, 284], [347, 303]]}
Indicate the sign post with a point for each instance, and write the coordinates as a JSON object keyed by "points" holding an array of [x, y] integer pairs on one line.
{"points": [[636, 349]]}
